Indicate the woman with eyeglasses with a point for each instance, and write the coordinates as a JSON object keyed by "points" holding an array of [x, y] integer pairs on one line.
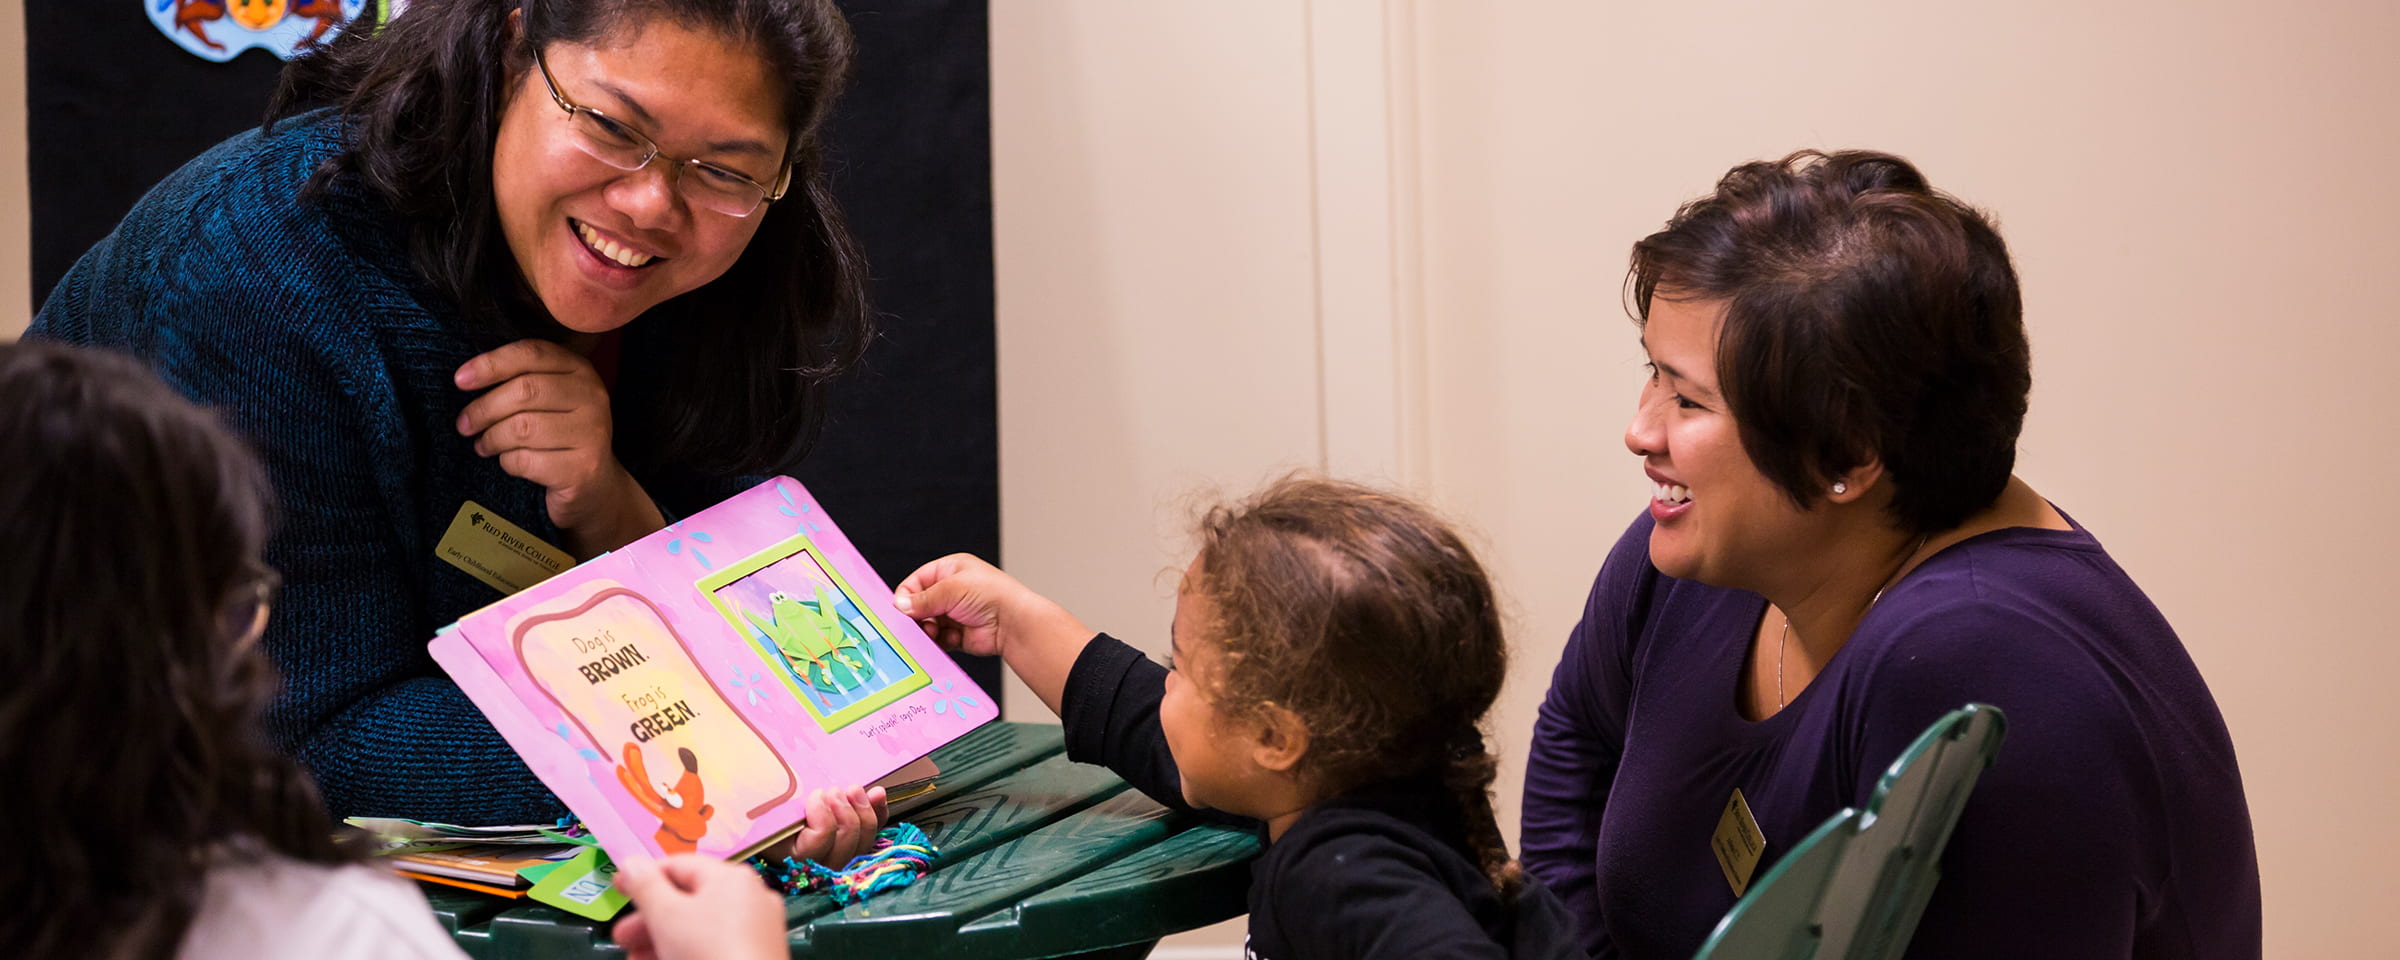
{"points": [[571, 262]]}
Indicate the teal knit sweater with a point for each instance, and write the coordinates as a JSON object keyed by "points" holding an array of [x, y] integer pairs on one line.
{"points": [[305, 325]]}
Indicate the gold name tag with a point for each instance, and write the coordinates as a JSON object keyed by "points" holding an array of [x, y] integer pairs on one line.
{"points": [[1738, 844], [497, 552]]}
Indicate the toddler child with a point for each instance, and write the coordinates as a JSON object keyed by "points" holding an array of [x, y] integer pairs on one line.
{"points": [[1334, 649]]}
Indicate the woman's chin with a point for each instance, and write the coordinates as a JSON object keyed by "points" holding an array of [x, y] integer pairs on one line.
{"points": [[593, 325], [585, 317], [1673, 561], [582, 308]]}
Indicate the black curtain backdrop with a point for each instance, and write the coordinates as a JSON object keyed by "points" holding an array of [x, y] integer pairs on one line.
{"points": [[909, 462]]}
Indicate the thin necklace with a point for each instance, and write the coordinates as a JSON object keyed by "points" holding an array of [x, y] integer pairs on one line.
{"points": [[1786, 641]]}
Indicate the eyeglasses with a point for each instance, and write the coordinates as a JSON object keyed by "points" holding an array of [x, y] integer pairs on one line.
{"points": [[247, 608], [702, 184]]}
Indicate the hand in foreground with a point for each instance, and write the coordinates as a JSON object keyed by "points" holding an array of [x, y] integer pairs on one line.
{"points": [[546, 417], [842, 823], [692, 907]]}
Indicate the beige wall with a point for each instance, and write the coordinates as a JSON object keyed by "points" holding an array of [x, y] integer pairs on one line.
{"points": [[1387, 238], [1165, 295], [16, 250]]}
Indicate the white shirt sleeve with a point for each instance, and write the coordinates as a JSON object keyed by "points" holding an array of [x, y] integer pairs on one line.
{"points": [[278, 908]]}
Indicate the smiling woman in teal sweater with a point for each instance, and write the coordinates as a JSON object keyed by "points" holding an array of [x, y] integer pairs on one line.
{"points": [[571, 261]]}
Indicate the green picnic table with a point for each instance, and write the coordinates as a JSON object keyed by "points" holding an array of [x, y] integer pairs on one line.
{"points": [[1040, 857]]}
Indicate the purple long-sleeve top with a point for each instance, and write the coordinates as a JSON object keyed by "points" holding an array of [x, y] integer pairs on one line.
{"points": [[2112, 824]]}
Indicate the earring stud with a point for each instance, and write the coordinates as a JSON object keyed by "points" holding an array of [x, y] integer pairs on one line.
{"points": [[1840, 488]]}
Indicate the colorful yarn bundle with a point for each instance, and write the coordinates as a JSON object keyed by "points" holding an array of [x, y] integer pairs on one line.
{"points": [[902, 854]]}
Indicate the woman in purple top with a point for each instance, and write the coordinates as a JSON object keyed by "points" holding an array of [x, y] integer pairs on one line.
{"points": [[1837, 554]]}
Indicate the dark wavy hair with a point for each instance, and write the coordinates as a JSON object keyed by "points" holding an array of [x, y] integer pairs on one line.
{"points": [[749, 355], [1367, 617], [1867, 316], [135, 757]]}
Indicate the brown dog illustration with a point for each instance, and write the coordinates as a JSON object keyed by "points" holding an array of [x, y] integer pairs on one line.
{"points": [[682, 816]]}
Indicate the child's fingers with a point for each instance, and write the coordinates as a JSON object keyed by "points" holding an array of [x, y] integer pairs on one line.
{"points": [[868, 823], [638, 879], [880, 801], [940, 587], [957, 603], [712, 878], [817, 833], [633, 934], [701, 907], [686, 871], [845, 831], [647, 885], [948, 634], [926, 575], [922, 601]]}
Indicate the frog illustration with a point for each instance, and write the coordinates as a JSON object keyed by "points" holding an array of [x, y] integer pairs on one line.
{"points": [[814, 638]]}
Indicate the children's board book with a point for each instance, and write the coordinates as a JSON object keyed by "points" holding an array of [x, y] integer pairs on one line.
{"points": [[685, 693]]}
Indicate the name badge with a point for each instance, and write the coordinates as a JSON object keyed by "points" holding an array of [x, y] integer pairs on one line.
{"points": [[497, 552], [1738, 844]]}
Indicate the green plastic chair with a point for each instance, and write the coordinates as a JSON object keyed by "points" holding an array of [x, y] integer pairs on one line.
{"points": [[1854, 887]]}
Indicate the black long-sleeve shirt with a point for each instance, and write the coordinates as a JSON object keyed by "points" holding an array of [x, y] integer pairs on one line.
{"points": [[1381, 871]]}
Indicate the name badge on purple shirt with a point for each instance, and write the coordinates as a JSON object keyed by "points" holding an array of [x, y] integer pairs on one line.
{"points": [[1738, 844]]}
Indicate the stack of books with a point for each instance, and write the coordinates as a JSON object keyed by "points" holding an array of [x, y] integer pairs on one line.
{"points": [[501, 860]]}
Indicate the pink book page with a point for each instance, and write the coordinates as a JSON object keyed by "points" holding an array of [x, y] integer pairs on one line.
{"points": [[700, 681], [558, 767]]}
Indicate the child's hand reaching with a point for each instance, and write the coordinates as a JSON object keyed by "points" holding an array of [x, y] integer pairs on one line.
{"points": [[698, 908], [842, 824], [964, 603], [968, 605]]}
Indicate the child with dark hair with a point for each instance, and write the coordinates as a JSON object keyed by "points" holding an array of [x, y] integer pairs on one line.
{"points": [[1334, 650], [152, 817]]}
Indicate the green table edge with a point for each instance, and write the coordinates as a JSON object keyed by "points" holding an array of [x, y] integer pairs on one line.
{"points": [[1047, 913]]}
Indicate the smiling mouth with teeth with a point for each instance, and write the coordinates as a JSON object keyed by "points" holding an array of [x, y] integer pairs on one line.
{"points": [[1672, 493], [611, 251]]}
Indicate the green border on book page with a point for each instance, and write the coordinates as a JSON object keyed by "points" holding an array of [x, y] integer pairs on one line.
{"points": [[799, 544]]}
